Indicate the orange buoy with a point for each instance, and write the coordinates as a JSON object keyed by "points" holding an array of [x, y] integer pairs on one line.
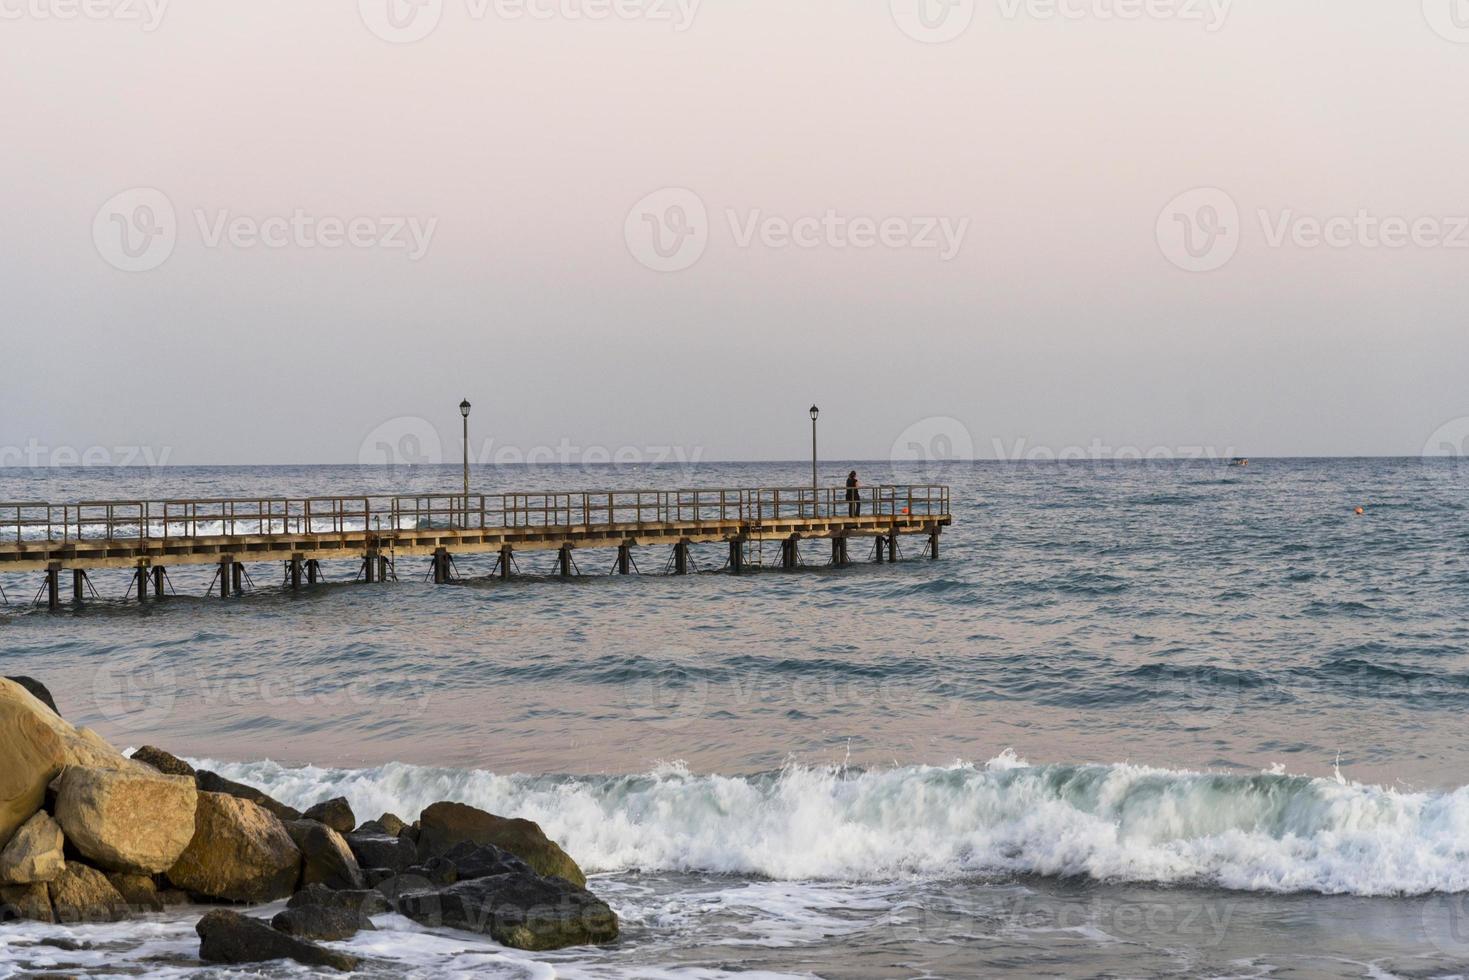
{"points": [[1360, 511]]}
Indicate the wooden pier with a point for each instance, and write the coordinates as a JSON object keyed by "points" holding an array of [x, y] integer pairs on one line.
{"points": [[377, 532]]}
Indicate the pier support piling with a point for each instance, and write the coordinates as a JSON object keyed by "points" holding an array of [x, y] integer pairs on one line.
{"points": [[790, 553], [160, 578], [507, 555], [737, 556], [313, 571], [295, 571], [624, 559], [78, 585], [142, 579], [226, 575], [441, 566], [53, 587], [237, 571], [681, 558], [564, 561], [933, 544]]}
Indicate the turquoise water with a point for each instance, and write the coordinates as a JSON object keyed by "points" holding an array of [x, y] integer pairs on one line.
{"points": [[1139, 719]]}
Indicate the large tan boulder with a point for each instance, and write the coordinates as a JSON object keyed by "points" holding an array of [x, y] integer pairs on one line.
{"points": [[35, 745], [83, 894], [239, 853], [127, 821], [34, 854], [325, 857], [443, 825], [31, 754]]}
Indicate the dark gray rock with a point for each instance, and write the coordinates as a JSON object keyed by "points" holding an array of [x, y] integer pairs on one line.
{"points": [[164, 762], [321, 922], [443, 825], [367, 902], [440, 871], [213, 782], [38, 690], [523, 911], [397, 886], [336, 813], [229, 937], [472, 860], [376, 876], [381, 851]]}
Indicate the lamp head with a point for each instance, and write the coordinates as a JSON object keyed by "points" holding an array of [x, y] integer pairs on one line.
{"points": [[464, 408], [814, 412]]}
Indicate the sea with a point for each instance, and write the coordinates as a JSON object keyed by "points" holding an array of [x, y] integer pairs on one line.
{"points": [[1138, 719]]}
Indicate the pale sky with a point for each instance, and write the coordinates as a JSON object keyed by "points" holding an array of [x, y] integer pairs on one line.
{"points": [[988, 228]]}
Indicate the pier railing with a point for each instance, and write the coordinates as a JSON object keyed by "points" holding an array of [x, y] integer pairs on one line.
{"points": [[164, 519]]}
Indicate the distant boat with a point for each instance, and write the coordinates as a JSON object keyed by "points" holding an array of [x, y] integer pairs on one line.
{"points": [[1239, 461]]}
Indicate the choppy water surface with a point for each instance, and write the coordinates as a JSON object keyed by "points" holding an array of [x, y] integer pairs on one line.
{"points": [[1139, 719]]}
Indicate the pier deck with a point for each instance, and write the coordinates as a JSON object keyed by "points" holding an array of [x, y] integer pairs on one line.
{"points": [[151, 535]]}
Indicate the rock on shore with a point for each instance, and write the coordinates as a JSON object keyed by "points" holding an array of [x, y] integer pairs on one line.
{"points": [[126, 821], [239, 853], [87, 835], [229, 937], [445, 824]]}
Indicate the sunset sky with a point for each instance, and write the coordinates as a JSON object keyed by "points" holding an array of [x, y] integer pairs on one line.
{"points": [[380, 223]]}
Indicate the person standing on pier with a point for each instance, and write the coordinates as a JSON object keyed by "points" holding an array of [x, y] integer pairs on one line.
{"points": [[854, 498]]}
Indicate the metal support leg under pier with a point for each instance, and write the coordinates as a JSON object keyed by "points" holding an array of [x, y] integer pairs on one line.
{"points": [[881, 549], [839, 552], [53, 587], [507, 555], [564, 561], [789, 552], [441, 566], [933, 544], [681, 558], [238, 571], [369, 566], [78, 585], [160, 578], [226, 575], [295, 571], [143, 576], [624, 559], [313, 571], [737, 556]]}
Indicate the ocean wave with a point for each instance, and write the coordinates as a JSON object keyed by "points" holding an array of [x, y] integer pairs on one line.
{"points": [[1268, 832]]}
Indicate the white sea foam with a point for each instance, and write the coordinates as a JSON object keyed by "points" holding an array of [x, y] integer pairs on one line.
{"points": [[1268, 832]]}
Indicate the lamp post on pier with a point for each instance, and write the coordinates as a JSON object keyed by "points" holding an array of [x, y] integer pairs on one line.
{"points": [[814, 412], [464, 411]]}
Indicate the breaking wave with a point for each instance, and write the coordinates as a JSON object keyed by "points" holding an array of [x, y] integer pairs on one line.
{"points": [[1268, 832]]}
